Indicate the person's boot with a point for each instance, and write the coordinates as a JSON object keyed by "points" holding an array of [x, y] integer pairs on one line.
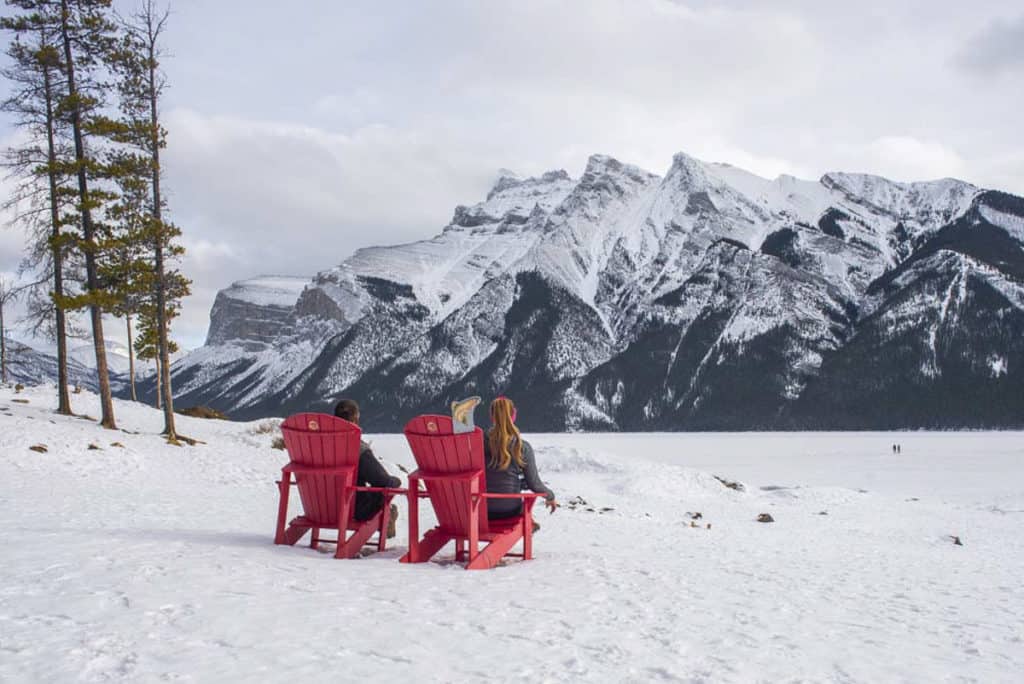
{"points": [[393, 521]]}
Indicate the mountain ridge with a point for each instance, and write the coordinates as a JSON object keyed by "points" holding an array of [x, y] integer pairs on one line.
{"points": [[707, 298]]}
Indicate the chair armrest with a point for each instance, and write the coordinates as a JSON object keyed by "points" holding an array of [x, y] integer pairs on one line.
{"points": [[426, 475], [386, 490], [522, 495], [316, 470]]}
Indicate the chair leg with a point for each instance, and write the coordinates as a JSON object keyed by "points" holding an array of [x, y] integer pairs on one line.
{"points": [[295, 532], [344, 512], [314, 542], [413, 555], [474, 521], [527, 535], [460, 550], [283, 487], [351, 547], [431, 543], [493, 552], [385, 520]]}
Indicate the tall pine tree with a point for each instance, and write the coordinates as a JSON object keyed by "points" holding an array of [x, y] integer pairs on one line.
{"points": [[86, 38], [39, 201], [141, 85]]}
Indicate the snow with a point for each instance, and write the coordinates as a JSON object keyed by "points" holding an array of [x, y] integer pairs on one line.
{"points": [[617, 238], [923, 200], [445, 271], [279, 291], [153, 562], [802, 199], [1011, 223], [30, 366], [998, 365], [117, 356]]}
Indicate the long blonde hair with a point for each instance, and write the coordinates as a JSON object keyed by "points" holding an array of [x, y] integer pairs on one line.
{"points": [[503, 435]]}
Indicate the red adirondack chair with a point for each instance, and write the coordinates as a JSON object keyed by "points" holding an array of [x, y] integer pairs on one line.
{"points": [[452, 468], [324, 453]]}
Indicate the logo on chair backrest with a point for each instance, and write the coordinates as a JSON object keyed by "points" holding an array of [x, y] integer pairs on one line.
{"points": [[431, 426], [313, 425]]}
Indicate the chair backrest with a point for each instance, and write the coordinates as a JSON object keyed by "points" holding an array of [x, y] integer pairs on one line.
{"points": [[437, 449], [317, 439]]}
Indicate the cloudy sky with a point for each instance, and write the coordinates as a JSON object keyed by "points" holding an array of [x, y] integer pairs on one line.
{"points": [[300, 132]]}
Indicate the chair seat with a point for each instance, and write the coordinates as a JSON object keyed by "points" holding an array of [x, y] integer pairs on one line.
{"points": [[503, 524], [306, 521]]}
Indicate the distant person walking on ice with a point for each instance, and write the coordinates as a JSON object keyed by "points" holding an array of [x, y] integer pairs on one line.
{"points": [[371, 473], [510, 463]]}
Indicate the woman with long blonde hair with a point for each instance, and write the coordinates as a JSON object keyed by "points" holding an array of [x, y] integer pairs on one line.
{"points": [[510, 463]]}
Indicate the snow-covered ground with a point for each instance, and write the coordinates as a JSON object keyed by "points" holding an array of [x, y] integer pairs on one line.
{"points": [[146, 562]]}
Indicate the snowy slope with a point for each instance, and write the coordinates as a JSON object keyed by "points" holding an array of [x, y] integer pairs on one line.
{"points": [[29, 366], [117, 356], [121, 564], [279, 291], [442, 273]]}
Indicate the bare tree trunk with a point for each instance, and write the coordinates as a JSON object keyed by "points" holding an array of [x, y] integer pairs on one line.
{"points": [[56, 248], [159, 385], [131, 358], [3, 345], [163, 347], [88, 232]]}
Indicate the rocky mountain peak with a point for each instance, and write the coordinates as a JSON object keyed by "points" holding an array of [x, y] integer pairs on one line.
{"points": [[710, 298], [258, 310]]}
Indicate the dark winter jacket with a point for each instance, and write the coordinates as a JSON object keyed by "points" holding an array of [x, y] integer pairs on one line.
{"points": [[512, 480], [371, 474]]}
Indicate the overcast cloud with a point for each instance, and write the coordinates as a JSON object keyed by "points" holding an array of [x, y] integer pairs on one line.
{"points": [[300, 132]]}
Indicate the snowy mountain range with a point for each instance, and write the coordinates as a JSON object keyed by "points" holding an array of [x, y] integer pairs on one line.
{"points": [[29, 366], [117, 357], [708, 298]]}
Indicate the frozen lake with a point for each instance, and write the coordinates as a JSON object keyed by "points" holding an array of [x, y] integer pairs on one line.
{"points": [[146, 562], [952, 465]]}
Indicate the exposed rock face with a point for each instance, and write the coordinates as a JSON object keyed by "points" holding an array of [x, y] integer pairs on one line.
{"points": [[709, 298], [258, 311]]}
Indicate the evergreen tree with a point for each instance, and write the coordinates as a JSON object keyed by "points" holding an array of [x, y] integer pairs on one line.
{"points": [[141, 85], [146, 350], [146, 347], [86, 39], [123, 274], [41, 166], [125, 270]]}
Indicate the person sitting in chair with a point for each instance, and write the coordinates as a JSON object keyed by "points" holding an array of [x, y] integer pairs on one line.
{"points": [[371, 473], [510, 464]]}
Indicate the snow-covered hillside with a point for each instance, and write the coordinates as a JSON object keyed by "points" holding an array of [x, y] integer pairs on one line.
{"points": [[126, 559], [117, 357], [30, 366], [707, 298]]}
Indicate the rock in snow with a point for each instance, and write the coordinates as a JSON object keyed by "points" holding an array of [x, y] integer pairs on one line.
{"points": [[709, 298]]}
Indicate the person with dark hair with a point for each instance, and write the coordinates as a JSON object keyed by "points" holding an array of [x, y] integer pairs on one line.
{"points": [[510, 464], [371, 473]]}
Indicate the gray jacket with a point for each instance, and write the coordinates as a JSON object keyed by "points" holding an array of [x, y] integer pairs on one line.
{"points": [[512, 480]]}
